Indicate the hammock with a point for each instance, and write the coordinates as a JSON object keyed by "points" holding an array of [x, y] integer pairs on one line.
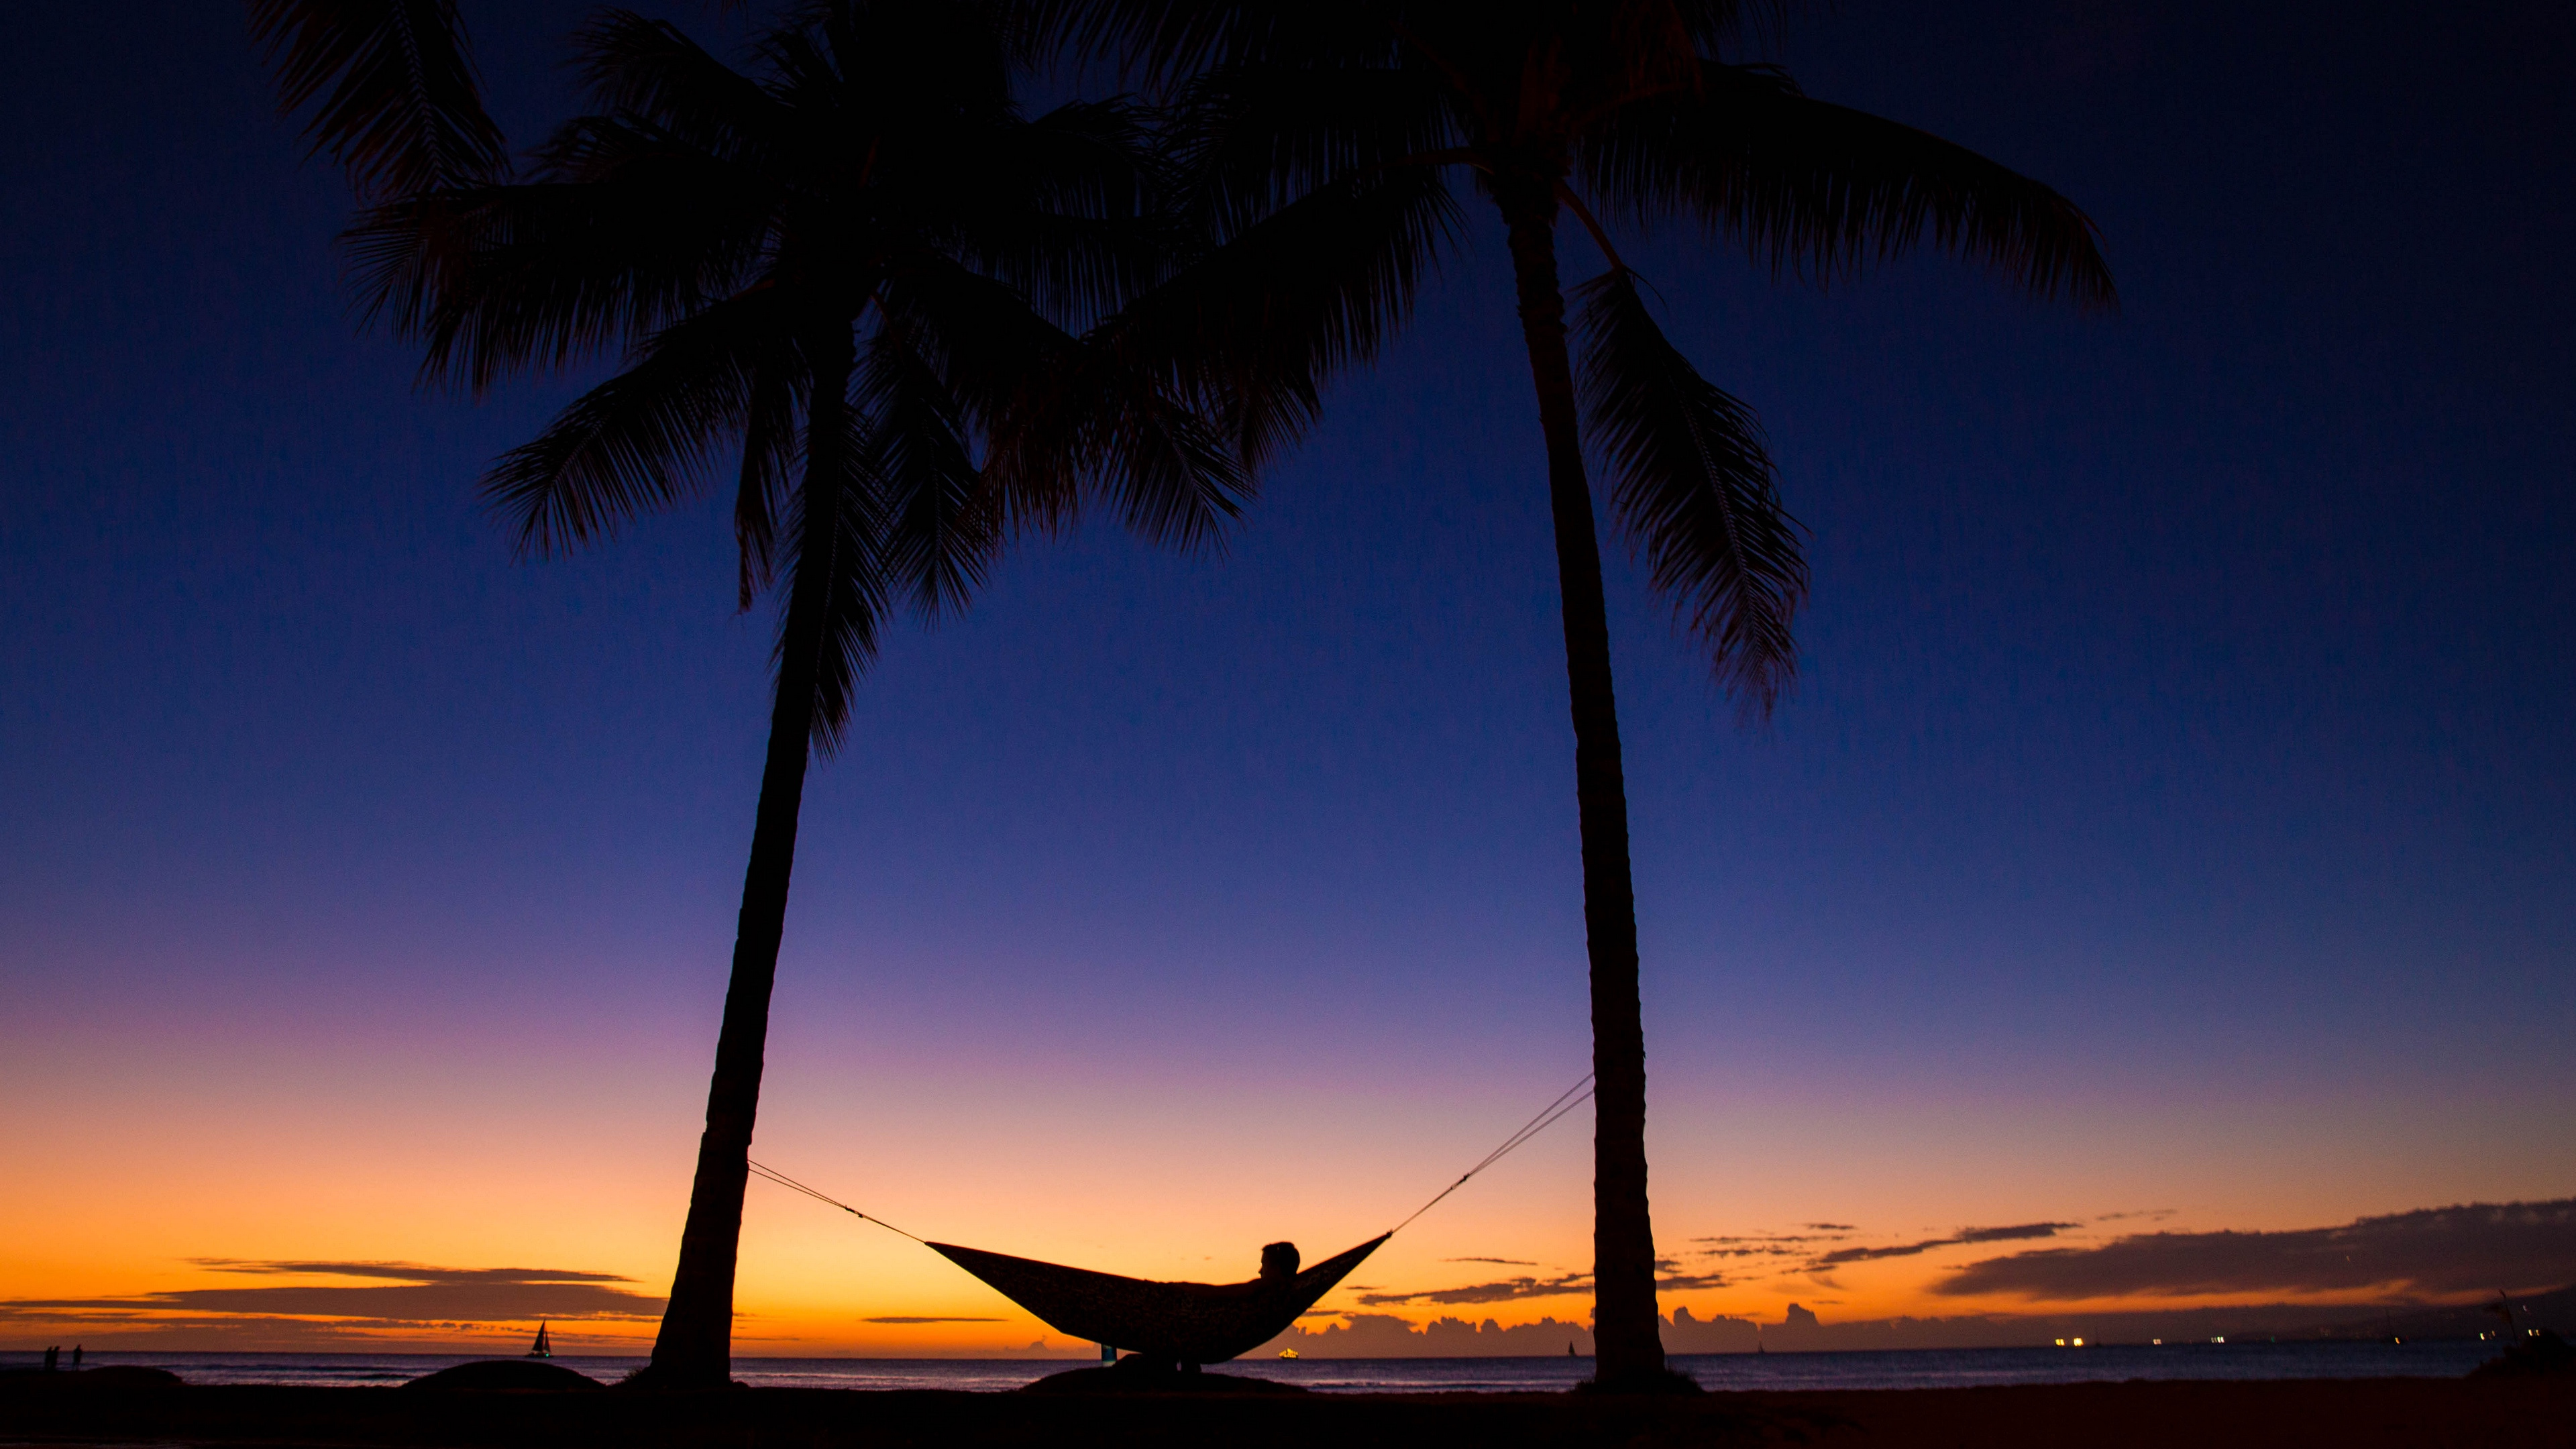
{"points": [[1190, 1323], [1177, 1323]]}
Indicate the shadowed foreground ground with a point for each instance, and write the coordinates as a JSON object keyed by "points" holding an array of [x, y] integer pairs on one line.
{"points": [[2356, 1413]]}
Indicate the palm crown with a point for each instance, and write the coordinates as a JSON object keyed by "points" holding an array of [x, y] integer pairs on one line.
{"points": [[1325, 137], [867, 258]]}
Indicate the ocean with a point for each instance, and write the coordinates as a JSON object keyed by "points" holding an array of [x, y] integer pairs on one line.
{"points": [[1894, 1369]]}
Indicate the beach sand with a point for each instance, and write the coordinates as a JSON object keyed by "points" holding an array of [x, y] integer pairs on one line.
{"points": [[2343, 1414]]}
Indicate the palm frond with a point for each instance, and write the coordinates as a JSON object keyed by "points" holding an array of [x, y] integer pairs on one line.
{"points": [[1167, 470], [539, 276], [1065, 212], [854, 591], [978, 334], [641, 440], [1715, 23], [1245, 141], [1162, 41], [853, 622], [1252, 331], [769, 454], [651, 72], [939, 525], [1691, 485], [391, 84], [1062, 419], [1823, 189]]}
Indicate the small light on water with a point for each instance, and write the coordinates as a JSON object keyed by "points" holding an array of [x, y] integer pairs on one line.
{"points": [[2061, 1343], [2222, 1338], [2079, 1343], [2159, 1342]]}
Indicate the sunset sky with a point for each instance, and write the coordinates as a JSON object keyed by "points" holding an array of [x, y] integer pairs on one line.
{"points": [[2173, 829]]}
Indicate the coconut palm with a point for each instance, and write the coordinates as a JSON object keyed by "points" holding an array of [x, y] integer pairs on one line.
{"points": [[856, 273], [1328, 137]]}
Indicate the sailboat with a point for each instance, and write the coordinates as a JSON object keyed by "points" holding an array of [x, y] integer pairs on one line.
{"points": [[543, 1347]]}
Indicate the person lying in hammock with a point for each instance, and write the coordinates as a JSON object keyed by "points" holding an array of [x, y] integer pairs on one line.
{"points": [[1278, 1265], [1165, 1324]]}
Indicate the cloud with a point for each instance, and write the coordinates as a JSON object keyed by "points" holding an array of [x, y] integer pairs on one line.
{"points": [[905, 1318], [2012, 1234], [1505, 1291], [399, 1295], [1503, 1262], [1382, 1335], [403, 1272], [2469, 1248], [1768, 1245], [2015, 1233], [1829, 1227]]}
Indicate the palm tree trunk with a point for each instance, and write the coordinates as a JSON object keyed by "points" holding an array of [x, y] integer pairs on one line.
{"points": [[695, 1347], [1626, 1328]]}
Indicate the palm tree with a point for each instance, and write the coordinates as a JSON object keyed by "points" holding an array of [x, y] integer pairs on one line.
{"points": [[858, 267], [1326, 136]]}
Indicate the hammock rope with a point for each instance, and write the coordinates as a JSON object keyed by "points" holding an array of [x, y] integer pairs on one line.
{"points": [[1566, 1101], [783, 1180]]}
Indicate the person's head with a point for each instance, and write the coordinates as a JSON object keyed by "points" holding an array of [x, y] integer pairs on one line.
{"points": [[1279, 1260]]}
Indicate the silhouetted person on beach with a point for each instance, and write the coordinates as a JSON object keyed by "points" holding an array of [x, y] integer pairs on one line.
{"points": [[1278, 1266], [76, 1355], [53, 1358]]}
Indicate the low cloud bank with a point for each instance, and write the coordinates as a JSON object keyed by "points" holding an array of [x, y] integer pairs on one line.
{"points": [[2479, 1247], [394, 1296], [1383, 1335]]}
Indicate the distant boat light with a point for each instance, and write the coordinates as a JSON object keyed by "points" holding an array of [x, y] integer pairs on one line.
{"points": [[2079, 1343]]}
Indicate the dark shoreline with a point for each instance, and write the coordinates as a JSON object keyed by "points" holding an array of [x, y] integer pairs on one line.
{"points": [[2345, 1413], [1780, 1372]]}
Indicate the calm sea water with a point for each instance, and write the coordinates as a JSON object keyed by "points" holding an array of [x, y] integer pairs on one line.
{"points": [[1905, 1369]]}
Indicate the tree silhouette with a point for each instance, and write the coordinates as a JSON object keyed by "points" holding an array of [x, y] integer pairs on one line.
{"points": [[861, 267], [1325, 137]]}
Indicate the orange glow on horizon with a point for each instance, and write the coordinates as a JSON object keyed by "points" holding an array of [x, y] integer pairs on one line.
{"points": [[171, 1159]]}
